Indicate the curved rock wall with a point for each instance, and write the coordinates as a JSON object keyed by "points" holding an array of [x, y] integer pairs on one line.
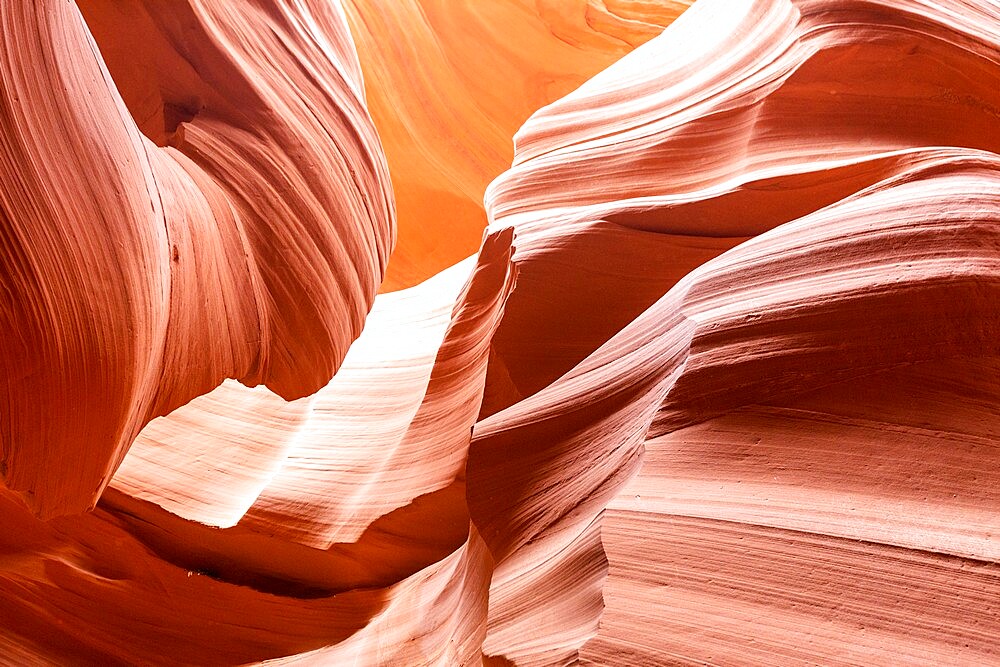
{"points": [[718, 387]]}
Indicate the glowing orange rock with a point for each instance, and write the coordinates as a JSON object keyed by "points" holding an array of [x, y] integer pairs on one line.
{"points": [[720, 384], [449, 83]]}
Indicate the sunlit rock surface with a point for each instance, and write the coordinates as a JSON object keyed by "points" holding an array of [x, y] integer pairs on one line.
{"points": [[449, 82], [721, 384]]}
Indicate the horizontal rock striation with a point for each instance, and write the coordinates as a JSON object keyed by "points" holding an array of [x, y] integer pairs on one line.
{"points": [[720, 385]]}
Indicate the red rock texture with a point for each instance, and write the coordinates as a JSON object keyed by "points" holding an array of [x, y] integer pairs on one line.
{"points": [[449, 82], [143, 275], [719, 386]]}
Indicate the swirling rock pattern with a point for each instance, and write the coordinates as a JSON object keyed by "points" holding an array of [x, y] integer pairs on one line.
{"points": [[474, 71], [221, 254], [720, 385]]}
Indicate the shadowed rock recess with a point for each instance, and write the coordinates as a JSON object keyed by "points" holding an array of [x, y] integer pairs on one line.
{"points": [[500, 332]]}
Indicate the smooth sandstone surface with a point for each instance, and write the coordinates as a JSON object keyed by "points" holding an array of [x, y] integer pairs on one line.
{"points": [[448, 84], [721, 384], [147, 273]]}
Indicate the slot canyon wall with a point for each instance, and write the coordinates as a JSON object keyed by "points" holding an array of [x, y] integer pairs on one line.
{"points": [[500, 332]]}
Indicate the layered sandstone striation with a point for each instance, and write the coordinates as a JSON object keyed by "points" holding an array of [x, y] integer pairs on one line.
{"points": [[448, 84], [720, 385], [148, 262]]}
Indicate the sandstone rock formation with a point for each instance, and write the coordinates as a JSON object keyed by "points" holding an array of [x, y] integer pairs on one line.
{"points": [[450, 82], [143, 275], [721, 384]]}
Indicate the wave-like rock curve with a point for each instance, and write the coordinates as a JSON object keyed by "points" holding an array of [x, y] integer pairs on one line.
{"points": [[718, 387]]}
